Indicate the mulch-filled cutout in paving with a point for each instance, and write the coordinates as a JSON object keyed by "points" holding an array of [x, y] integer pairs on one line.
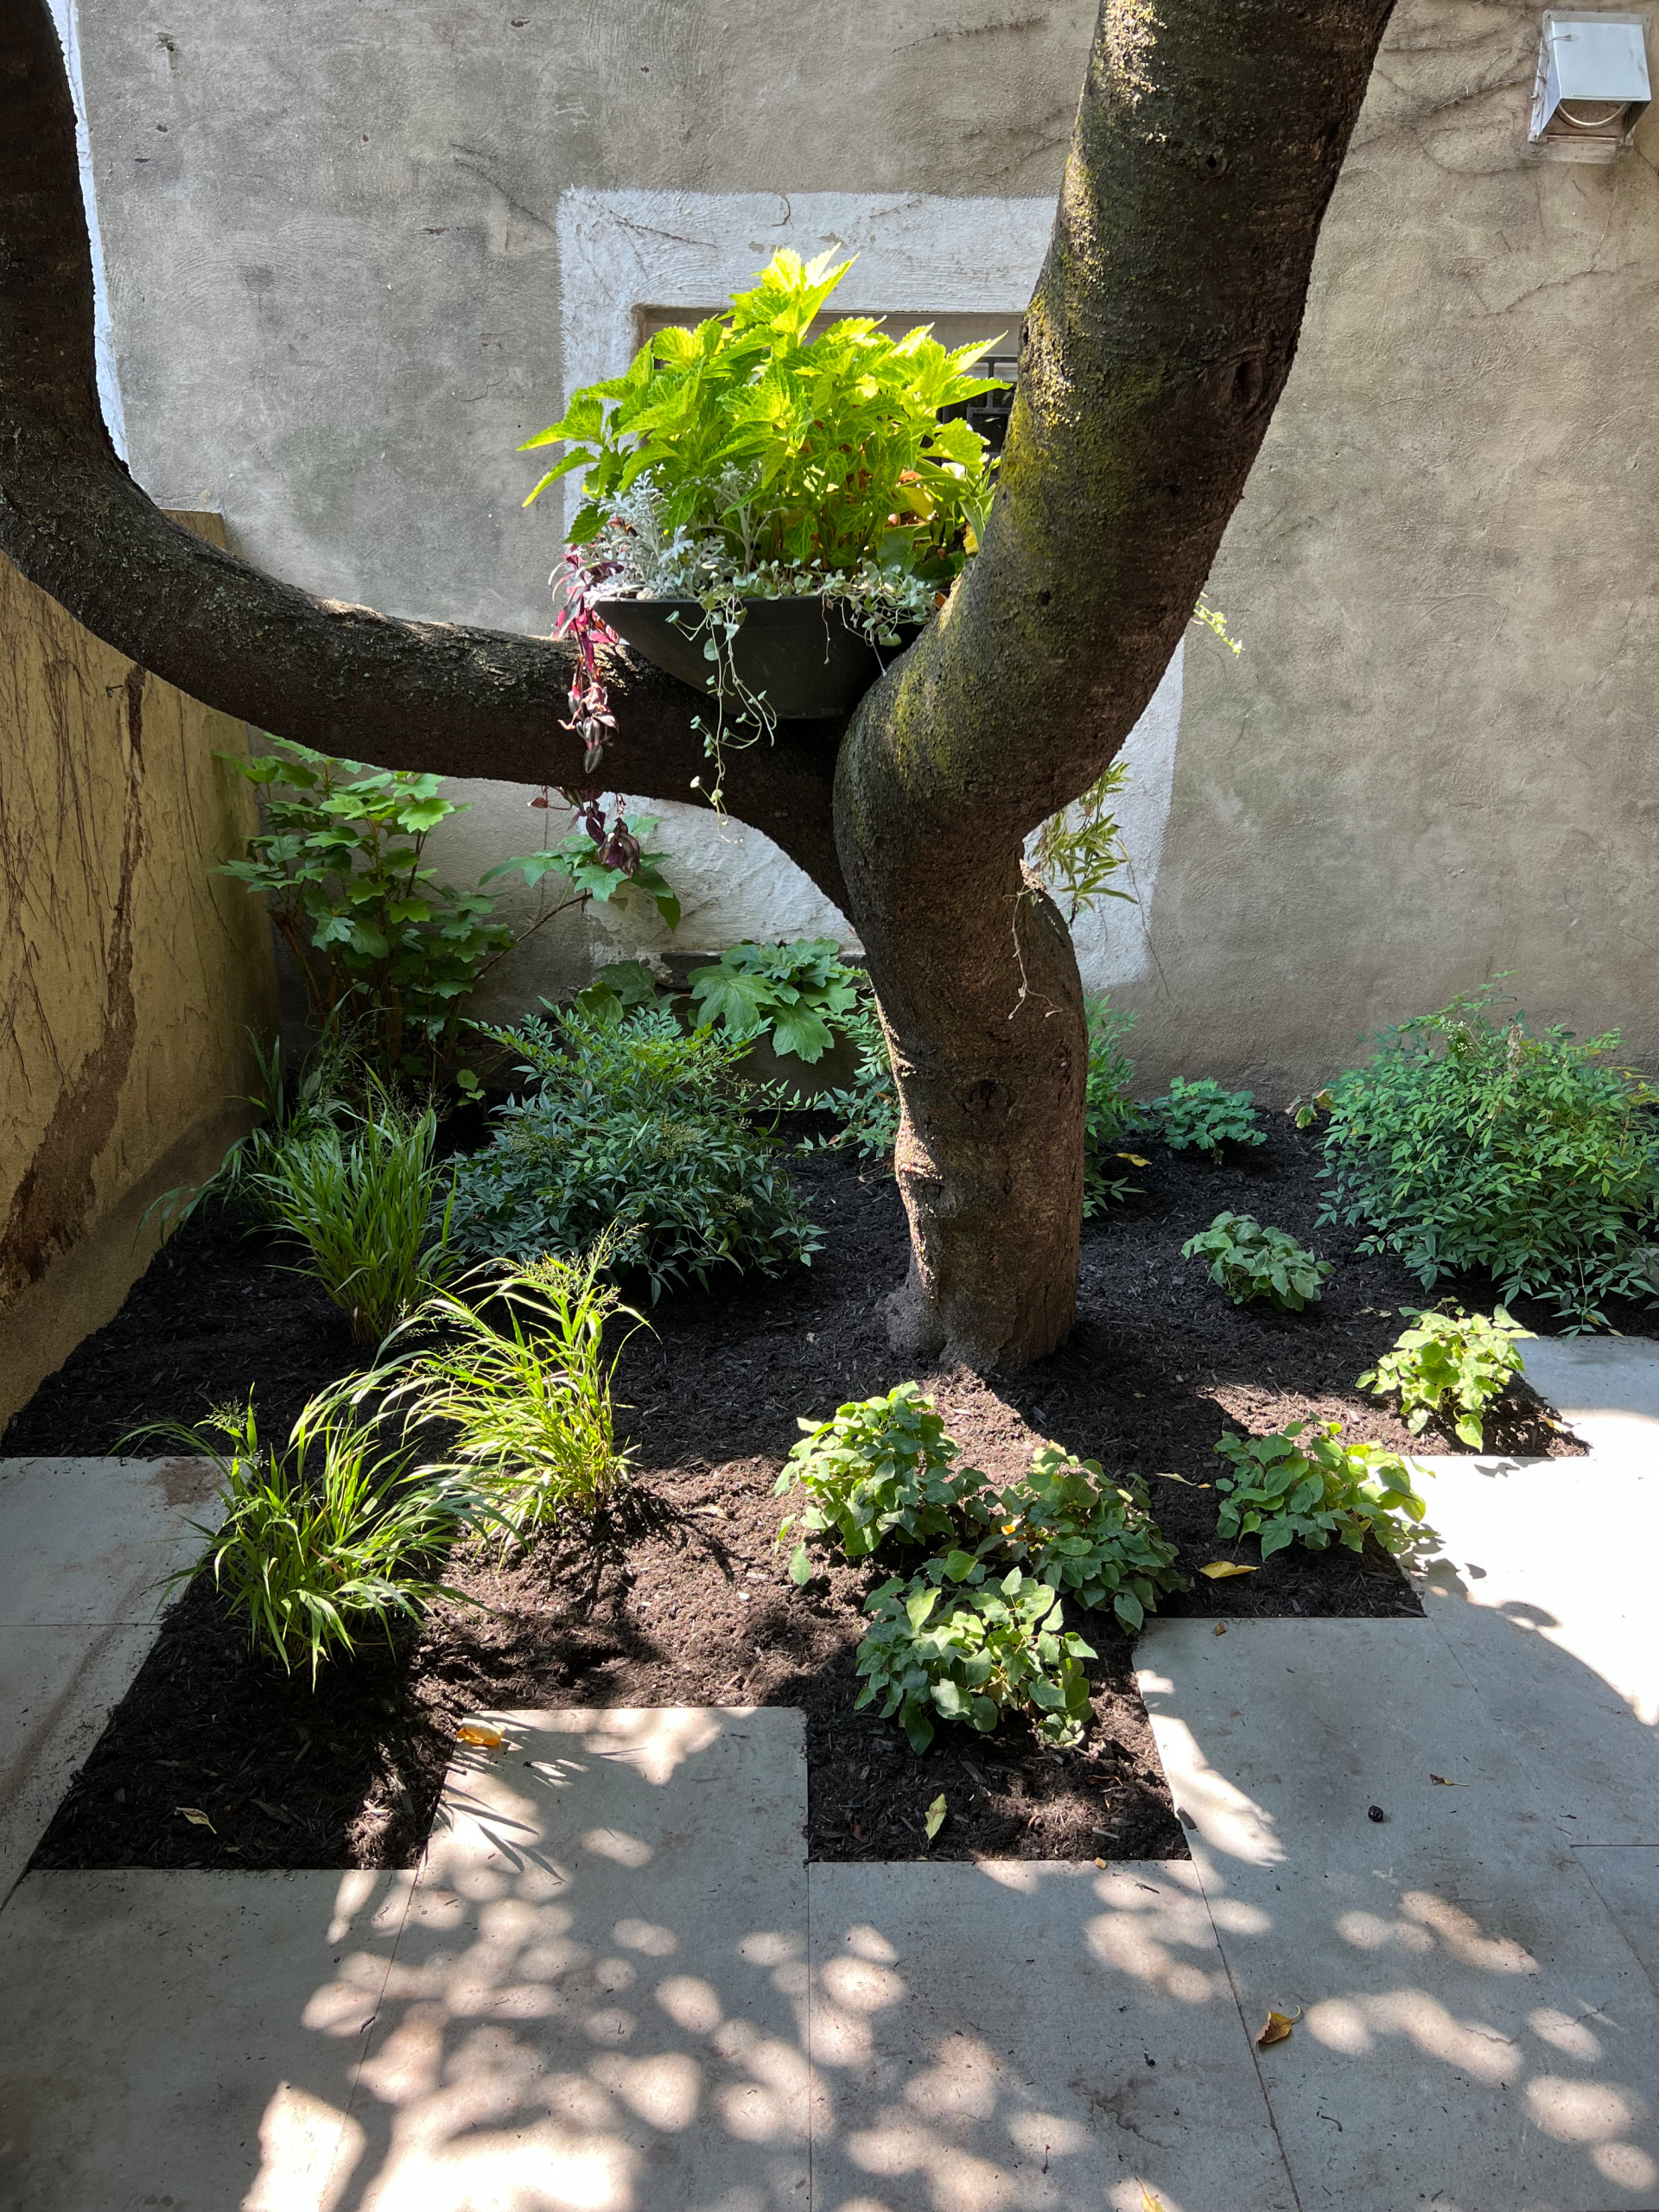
{"points": [[681, 1596]]}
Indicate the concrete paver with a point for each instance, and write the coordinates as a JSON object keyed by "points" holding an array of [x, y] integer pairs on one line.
{"points": [[1473, 2020], [188, 2039], [85, 1544], [599, 1996], [1015, 2037]]}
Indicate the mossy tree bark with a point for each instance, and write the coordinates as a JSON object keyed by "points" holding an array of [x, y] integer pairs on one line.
{"points": [[1209, 135]]}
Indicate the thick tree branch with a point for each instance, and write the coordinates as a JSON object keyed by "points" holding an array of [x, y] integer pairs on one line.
{"points": [[405, 695], [1163, 328]]}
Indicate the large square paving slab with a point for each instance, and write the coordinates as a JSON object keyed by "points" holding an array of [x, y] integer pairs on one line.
{"points": [[1476, 2032], [84, 1547], [1014, 2037], [188, 2039], [599, 1996]]}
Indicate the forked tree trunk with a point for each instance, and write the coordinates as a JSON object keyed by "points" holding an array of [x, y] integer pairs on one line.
{"points": [[1208, 139], [983, 1007]]}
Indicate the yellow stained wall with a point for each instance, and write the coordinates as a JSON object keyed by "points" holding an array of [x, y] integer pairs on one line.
{"points": [[129, 974]]}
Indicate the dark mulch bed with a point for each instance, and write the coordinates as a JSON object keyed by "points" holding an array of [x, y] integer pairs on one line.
{"points": [[681, 1597]]}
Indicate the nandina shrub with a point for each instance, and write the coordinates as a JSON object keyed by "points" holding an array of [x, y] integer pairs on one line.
{"points": [[1468, 1143]]}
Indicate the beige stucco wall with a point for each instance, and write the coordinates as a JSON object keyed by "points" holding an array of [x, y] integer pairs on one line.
{"points": [[1435, 759], [129, 973], [342, 287]]}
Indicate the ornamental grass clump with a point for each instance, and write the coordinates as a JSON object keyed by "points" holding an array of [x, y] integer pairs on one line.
{"points": [[1468, 1142], [628, 1124], [1457, 1363], [521, 1369], [1303, 1485], [363, 1194], [331, 1535]]}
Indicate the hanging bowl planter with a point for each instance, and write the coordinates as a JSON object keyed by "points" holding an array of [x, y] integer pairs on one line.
{"points": [[807, 656]]}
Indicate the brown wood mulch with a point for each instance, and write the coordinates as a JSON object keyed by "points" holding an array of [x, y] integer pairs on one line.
{"points": [[680, 1595]]}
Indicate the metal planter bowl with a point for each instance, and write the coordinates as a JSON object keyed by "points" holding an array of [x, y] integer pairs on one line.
{"points": [[811, 661]]}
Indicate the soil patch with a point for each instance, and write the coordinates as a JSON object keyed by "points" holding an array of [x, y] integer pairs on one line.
{"points": [[681, 1597]]}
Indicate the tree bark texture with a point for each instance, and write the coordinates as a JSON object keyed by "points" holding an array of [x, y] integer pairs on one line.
{"points": [[1208, 139], [1162, 329]]}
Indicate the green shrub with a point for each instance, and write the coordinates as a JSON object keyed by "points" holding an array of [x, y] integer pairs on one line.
{"points": [[526, 1383], [1308, 1485], [386, 951], [359, 1192], [1458, 1360], [332, 1534], [1249, 1261], [1093, 1538], [631, 1124], [1109, 1110], [883, 1467], [868, 1109], [795, 995], [1467, 1142], [966, 1653], [1202, 1117]]}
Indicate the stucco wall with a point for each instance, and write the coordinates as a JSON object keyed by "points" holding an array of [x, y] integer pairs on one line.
{"points": [[337, 254], [128, 973]]}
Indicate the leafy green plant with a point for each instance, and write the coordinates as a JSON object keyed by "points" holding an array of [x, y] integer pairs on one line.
{"points": [[1250, 1261], [1091, 1538], [1108, 1111], [762, 447], [359, 1192], [1303, 1483], [795, 995], [388, 952], [868, 1108], [1078, 851], [622, 987], [879, 1468], [329, 1536], [1457, 1362], [1468, 1142], [1202, 1117], [522, 1370], [631, 1123], [939, 1649]]}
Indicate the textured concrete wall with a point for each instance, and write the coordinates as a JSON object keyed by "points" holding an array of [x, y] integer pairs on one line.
{"points": [[128, 973], [334, 249]]}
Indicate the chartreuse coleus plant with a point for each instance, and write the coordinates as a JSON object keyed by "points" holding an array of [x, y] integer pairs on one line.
{"points": [[977, 1628], [1250, 1261], [1458, 1363], [746, 459], [1304, 1484]]}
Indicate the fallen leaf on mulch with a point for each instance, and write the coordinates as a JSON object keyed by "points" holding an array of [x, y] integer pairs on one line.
{"points": [[1278, 2028], [1133, 1159], [936, 1816], [1217, 1570], [196, 1816], [475, 1731], [1185, 1479]]}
